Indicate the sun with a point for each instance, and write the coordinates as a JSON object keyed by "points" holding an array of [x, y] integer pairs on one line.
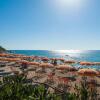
{"points": [[68, 4]]}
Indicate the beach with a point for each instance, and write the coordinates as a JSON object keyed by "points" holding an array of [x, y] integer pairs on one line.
{"points": [[56, 72]]}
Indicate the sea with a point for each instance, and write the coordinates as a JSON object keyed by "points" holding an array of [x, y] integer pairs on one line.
{"points": [[79, 55]]}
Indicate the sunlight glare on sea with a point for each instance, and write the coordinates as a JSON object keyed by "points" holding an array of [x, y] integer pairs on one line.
{"points": [[69, 51], [73, 53]]}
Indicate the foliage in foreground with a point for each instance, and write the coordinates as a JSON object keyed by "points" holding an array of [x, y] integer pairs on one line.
{"points": [[17, 88]]}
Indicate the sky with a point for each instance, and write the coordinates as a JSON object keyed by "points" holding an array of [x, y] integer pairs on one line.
{"points": [[50, 24]]}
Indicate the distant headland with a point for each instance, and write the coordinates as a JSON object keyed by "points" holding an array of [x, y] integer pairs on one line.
{"points": [[2, 49]]}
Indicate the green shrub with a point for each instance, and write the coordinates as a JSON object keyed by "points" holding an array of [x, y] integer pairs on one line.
{"points": [[14, 88], [86, 91], [17, 88]]}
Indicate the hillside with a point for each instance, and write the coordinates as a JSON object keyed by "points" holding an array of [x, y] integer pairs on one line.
{"points": [[2, 49]]}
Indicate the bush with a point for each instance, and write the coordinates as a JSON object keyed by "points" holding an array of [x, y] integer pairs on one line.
{"points": [[17, 88], [14, 88], [86, 91]]}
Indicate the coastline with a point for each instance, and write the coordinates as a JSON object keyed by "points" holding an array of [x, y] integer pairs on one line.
{"points": [[52, 71]]}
